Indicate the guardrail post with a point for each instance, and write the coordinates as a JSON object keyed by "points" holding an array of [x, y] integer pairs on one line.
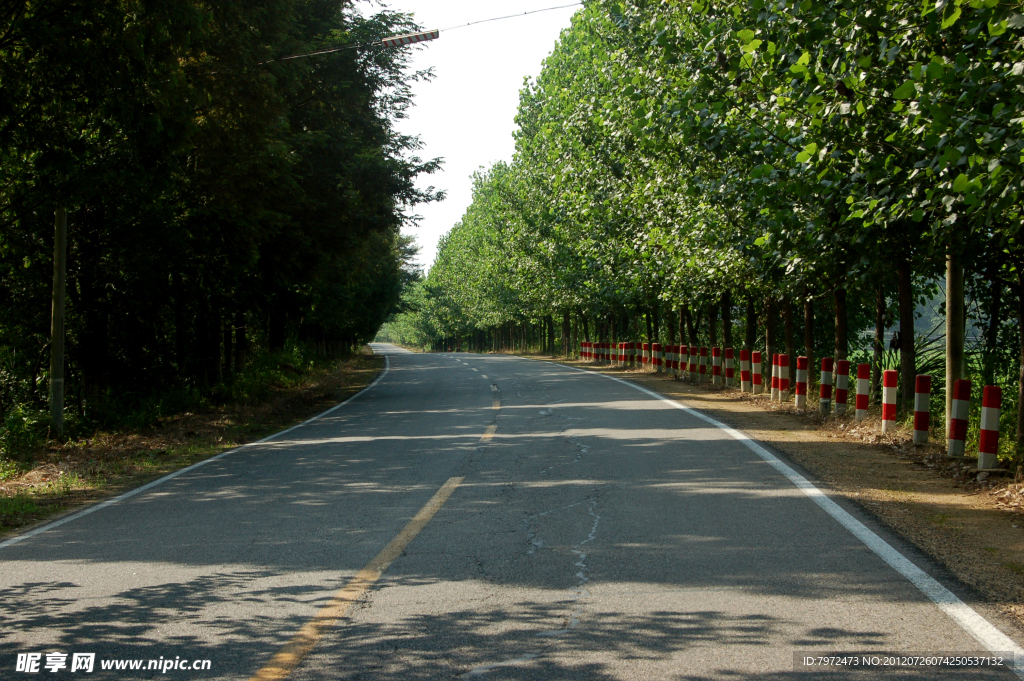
{"points": [[801, 383], [756, 379], [988, 442], [863, 389], [890, 382], [775, 377], [922, 408], [958, 416], [825, 392], [783, 378]]}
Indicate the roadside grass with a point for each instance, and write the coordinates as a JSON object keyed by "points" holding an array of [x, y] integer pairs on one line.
{"points": [[55, 477]]}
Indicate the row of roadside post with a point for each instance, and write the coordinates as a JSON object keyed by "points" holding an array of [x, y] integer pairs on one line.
{"points": [[692, 363]]}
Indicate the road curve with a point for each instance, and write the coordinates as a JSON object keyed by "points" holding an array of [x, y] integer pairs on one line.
{"points": [[590, 531]]}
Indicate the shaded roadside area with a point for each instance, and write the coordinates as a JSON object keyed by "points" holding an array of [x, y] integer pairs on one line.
{"points": [[64, 477]]}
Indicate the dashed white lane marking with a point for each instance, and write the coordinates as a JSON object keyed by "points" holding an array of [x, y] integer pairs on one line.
{"points": [[483, 375], [139, 490], [961, 613]]}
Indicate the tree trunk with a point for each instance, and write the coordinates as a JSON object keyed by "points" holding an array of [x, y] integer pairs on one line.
{"points": [[551, 334], [908, 353], [879, 343], [671, 326], [751, 338], [241, 342], [586, 325], [567, 345], [713, 326], [1020, 382], [650, 335], [992, 332], [727, 318], [790, 331], [228, 366], [656, 322], [769, 335], [691, 333], [60, 251], [809, 338], [180, 337], [276, 330], [842, 341], [954, 323]]}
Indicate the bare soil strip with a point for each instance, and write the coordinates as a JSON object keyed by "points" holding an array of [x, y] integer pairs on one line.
{"points": [[66, 477]]}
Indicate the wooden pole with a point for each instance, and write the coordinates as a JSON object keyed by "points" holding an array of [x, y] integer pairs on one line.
{"points": [[60, 243]]}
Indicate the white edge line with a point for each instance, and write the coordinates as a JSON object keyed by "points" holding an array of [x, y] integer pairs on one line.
{"points": [[961, 613], [171, 476]]}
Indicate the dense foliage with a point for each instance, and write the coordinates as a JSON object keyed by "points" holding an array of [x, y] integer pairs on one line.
{"points": [[222, 197], [811, 168]]}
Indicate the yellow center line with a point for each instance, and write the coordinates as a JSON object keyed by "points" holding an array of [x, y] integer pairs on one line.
{"points": [[295, 651], [493, 428]]}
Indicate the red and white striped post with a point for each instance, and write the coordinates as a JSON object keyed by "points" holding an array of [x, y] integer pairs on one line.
{"points": [[632, 355], [988, 442], [890, 381], [801, 383], [622, 353], [783, 378], [958, 415], [716, 366], [825, 392], [756, 379], [730, 369], [656, 356], [684, 359], [863, 389], [694, 361], [745, 371], [703, 365], [922, 408], [775, 377], [842, 386], [645, 352]]}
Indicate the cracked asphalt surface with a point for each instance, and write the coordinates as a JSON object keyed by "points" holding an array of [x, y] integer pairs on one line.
{"points": [[598, 534]]}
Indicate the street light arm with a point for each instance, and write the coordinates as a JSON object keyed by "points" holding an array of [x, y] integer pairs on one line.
{"points": [[410, 38]]}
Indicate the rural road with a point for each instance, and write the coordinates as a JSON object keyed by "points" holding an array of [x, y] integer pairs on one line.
{"points": [[569, 527]]}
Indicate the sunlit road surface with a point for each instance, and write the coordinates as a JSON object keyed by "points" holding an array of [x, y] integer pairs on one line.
{"points": [[590, 531]]}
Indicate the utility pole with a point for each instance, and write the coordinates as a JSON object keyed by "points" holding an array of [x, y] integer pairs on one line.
{"points": [[60, 248]]}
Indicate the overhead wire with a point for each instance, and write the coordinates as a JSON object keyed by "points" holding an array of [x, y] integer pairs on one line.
{"points": [[331, 50]]}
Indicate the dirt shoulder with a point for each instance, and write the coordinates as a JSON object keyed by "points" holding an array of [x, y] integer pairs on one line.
{"points": [[976, 530], [66, 477]]}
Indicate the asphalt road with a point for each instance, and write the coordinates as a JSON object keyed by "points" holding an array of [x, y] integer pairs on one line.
{"points": [[595, 532]]}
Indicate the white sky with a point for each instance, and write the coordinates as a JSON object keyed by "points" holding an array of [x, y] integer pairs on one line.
{"points": [[466, 115]]}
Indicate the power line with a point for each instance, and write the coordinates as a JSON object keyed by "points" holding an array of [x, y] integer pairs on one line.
{"points": [[331, 50], [512, 16]]}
